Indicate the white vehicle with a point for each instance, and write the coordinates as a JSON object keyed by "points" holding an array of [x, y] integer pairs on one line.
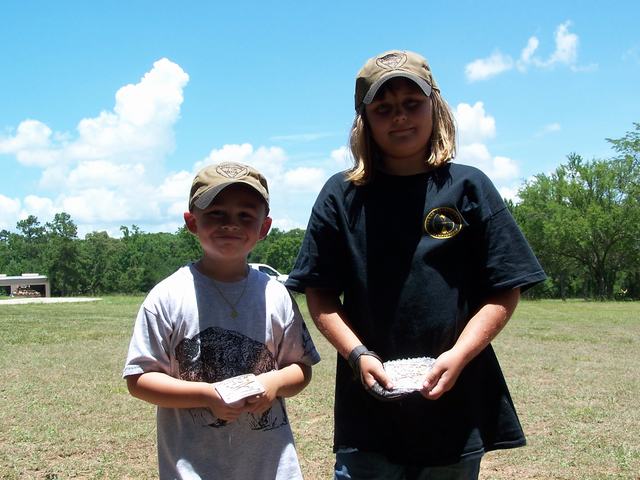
{"points": [[272, 272]]}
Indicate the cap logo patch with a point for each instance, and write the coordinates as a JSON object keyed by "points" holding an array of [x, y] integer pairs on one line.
{"points": [[232, 170], [391, 61], [443, 222]]}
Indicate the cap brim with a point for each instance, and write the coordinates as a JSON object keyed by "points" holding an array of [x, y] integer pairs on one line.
{"points": [[204, 200], [373, 90]]}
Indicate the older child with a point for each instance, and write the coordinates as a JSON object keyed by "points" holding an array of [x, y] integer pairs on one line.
{"points": [[213, 320], [428, 262]]}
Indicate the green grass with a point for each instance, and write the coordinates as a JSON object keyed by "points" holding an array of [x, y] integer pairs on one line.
{"points": [[65, 413]]}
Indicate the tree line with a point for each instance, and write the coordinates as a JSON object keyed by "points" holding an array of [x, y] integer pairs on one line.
{"points": [[582, 221], [99, 264]]}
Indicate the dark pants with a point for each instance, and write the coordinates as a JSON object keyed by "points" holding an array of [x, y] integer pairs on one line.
{"points": [[352, 464]]}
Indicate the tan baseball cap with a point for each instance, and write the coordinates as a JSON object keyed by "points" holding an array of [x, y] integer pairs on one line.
{"points": [[391, 64], [212, 179]]}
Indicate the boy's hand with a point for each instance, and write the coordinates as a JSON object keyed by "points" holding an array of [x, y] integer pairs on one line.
{"points": [[222, 410], [259, 404], [442, 376]]}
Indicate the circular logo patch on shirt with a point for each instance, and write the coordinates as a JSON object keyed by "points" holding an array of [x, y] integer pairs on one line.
{"points": [[443, 222]]}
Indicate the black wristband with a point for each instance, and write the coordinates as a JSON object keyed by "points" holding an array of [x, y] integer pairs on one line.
{"points": [[355, 355]]}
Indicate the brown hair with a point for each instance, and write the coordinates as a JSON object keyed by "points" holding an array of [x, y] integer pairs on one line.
{"points": [[365, 152]]}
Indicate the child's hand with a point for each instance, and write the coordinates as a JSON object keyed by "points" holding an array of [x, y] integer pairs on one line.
{"points": [[442, 376], [222, 410], [259, 404], [372, 371]]}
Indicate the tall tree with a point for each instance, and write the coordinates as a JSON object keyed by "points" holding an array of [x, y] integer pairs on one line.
{"points": [[5, 251], [99, 255], [584, 216], [62, 260], [628, 148], [130, 262], [27, 246]]}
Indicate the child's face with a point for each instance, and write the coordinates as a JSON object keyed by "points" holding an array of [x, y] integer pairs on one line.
{"points": [[230, 227], [400, 120]]}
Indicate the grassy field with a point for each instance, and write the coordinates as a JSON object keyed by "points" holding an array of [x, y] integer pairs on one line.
{"points": [[65, 412]]}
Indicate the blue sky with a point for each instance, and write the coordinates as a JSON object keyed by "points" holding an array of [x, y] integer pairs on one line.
{"points": [[107, 109]]}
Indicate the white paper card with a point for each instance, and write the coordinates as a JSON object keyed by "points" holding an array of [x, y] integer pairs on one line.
{"points": [[236, 388]]}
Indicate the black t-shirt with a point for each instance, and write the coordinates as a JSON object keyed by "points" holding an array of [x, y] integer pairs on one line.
{"points": [[415, 257]]}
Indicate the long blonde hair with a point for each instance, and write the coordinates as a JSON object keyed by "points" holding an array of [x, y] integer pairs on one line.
{"points": [[365, 152]]}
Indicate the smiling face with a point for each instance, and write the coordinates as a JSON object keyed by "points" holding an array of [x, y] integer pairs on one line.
{"points": [[230, 226], [400, 119]]}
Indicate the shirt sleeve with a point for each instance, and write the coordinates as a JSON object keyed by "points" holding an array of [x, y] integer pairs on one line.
{"points": [[509, 261], [148, 348], [322, 256], [505, 259], [297, 345]]}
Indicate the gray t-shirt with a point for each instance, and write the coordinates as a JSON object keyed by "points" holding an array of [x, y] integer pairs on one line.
{"points": [[185, 329]]}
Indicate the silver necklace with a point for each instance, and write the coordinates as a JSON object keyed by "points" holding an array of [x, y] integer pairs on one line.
{"points": [[234, 310]]}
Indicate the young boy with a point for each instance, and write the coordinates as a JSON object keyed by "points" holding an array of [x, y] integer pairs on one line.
{"points": [[216, 319]]}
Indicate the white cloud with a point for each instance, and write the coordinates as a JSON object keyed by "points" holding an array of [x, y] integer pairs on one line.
{"points": [[565, 53], [566, 46], [41, 207], [140, 128], [300, 137], [485, 68], [269, 161], [342, 158], [107, 171], [54, 177], [549, 128], [156, 99], [498, 168], [111, 170], [176, 186], [98, 204], [9, 210], [176, 209], [228, 153], [504, 168], [285, 223], [31, 144], [103, 173], [474, 125], [527, 53], [529, 50], [290, 188], [304, 179], [474, 154], [510, 192], [30, 134]]}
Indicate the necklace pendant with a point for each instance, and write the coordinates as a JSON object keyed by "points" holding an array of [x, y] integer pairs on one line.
{"points": [[234, 313]]}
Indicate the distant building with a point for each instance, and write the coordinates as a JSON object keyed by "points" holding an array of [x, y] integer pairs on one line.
{"points": [[27, 284]]}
